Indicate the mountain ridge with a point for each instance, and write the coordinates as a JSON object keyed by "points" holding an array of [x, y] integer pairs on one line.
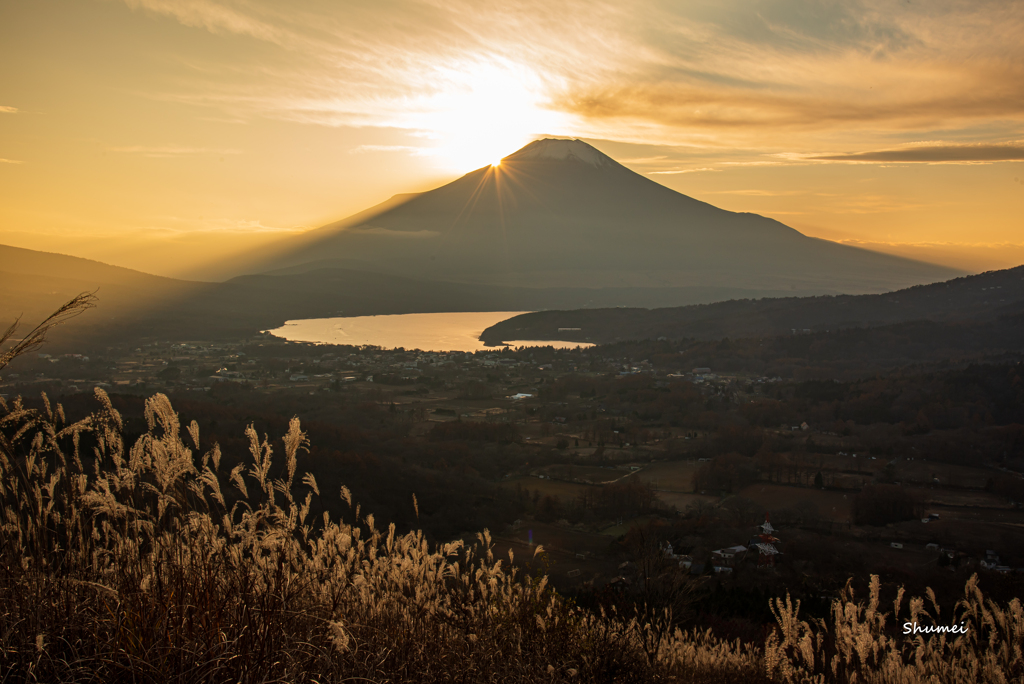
{"points": [[981, 297]]}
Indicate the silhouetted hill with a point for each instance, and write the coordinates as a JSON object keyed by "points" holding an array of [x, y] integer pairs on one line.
{"points": [[36, 283], [968, 299], [559, 213], [137, 306]]}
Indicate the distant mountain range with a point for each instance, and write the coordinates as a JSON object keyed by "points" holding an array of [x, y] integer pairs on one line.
{"points": [[990, 296], [561, 214]]}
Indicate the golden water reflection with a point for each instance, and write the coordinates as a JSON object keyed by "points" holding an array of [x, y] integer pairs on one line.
{"points": [[453, 331]]}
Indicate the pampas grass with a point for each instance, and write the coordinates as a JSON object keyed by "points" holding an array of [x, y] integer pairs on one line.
{"points": [[151, 562]]}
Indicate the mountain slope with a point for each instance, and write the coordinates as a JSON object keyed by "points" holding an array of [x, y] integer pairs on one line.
{"points": [[134, 306], [36, 283], [559, 213]]}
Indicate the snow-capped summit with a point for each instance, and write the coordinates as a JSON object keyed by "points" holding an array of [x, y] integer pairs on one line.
{"points": [[563, 149]]}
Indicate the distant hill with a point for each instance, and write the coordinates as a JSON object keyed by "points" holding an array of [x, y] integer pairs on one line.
{"points": [[982, 297], [36, 283], [135, 306], [560, 214]]}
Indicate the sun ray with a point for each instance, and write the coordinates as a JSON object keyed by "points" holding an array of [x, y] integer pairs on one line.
{"points": [[485, 111]]}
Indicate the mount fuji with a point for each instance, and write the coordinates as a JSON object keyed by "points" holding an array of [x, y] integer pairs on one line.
{"points": [[560, 214]]}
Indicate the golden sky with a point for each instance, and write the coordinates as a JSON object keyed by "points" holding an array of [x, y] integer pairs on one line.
{"points": [[159, 134]]}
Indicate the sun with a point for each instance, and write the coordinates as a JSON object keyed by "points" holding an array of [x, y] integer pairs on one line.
{"points": [[485, 112]]}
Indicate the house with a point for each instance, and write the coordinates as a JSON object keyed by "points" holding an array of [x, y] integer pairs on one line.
{"points": [[991, 560], [728, 557]]}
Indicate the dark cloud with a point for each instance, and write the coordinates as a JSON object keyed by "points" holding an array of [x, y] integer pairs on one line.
{"points": [[936, 154]]}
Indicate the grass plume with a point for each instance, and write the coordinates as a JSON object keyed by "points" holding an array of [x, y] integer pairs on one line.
{"points": [[151, 562]]}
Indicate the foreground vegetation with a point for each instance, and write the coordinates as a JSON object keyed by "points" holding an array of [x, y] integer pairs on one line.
{"points": [[159, 561]]}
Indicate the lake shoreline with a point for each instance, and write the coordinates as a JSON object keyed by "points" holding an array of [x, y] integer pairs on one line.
{"points": [[447, 331]]}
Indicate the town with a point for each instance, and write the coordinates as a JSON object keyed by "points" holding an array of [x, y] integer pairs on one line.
{"points": [[632, 471]]}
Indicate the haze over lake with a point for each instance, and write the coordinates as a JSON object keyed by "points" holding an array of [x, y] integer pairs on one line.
{"points": [[425, 331]]}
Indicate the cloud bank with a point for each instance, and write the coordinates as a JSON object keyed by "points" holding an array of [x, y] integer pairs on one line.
{"points": [[764, 74]]}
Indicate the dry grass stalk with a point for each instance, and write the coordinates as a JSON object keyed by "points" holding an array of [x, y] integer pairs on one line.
{"points": [[144, 565]]}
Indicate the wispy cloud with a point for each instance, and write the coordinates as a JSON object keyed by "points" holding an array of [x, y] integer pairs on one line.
{"points": [[771, 76], [422, 151], [171, 151], [758, 193], [935, 154], [171, 226], [671, 172], [8, 110], [10, 161], [660, 159], [217, 17], [754, 162], [873, 204]]}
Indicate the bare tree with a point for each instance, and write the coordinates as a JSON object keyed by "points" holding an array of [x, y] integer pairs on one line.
{"points": [[37, 336]]}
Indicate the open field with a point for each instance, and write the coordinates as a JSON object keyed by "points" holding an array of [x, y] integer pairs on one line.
{"points": [[972, 536], [587, 473], [859, 463], [830, 505], [995, 518], [947, 474], [626, 525], [964, 497], [680, 500], [670, 476], [564, 490]]}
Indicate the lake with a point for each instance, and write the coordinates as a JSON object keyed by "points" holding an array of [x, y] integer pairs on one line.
{"points": [[425, 331]]}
